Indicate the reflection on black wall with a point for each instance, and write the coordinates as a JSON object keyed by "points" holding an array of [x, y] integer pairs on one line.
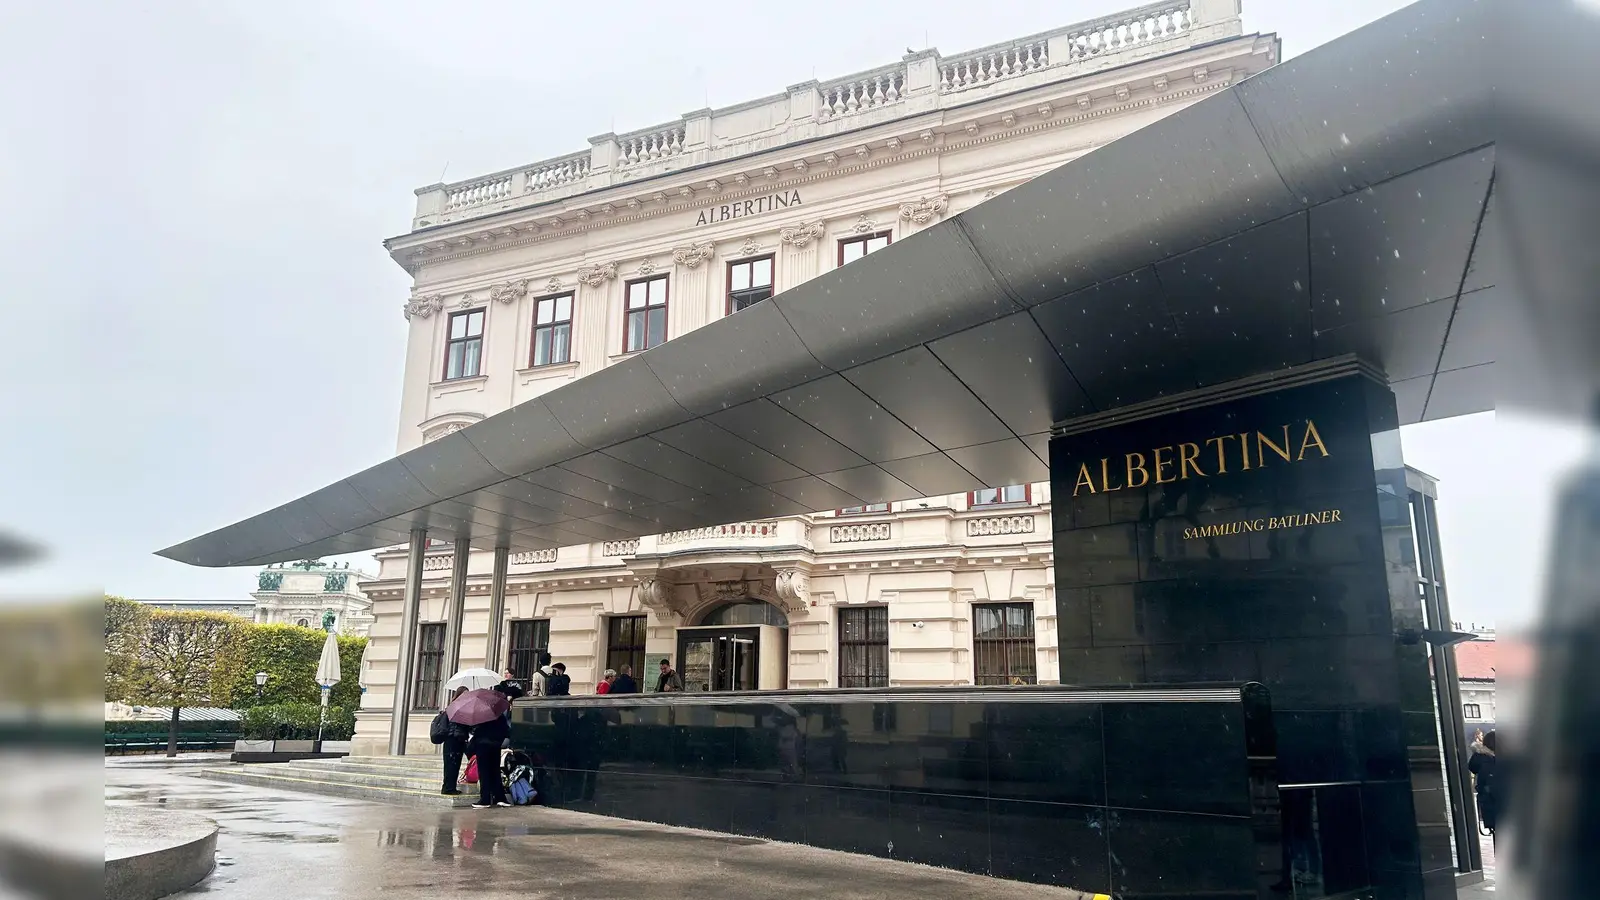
{"points": [[1049, 785], [1293, 572]]}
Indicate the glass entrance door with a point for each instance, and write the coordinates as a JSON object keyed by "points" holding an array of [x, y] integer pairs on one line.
{"points": [[719, 660]]}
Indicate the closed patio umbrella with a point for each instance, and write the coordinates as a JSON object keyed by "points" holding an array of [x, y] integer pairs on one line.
{"points": [[327, 675]]}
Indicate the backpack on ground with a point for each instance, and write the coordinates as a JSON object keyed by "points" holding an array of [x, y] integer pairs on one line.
{"points": [[522, 791], [440, 729]]}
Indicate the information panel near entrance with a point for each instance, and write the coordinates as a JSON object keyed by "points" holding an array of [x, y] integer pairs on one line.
{"points": [[1268, 539]]}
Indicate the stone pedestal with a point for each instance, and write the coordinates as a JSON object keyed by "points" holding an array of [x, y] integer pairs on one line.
{"points": [[1269, 539]]}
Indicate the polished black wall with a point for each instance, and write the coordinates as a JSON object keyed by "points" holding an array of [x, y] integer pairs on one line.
{"points": [[1048, 785], [1318, 611]]}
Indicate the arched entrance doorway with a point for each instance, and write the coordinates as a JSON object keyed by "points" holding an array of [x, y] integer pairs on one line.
{"points": [[736, 646]]}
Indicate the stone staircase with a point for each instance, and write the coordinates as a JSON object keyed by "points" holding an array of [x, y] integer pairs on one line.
{"points": [[405, 780]]}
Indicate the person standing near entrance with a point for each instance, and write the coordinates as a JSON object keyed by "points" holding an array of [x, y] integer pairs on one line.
{"points": [[484, 745], [454, 746], [668, 680], [541, 673], [624, 683], [604, 687], [1482, 766]]}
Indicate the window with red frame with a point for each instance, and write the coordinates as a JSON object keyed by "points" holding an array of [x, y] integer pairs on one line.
{"points": [[1016, 493], [463, 349], [852, 249], [749, 283], [552, 330], [646, 325], [863, 510]]}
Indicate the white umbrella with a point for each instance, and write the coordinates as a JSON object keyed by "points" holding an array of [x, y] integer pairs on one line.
{"points": [[327, 675], [328, 665], [472, 679], [366, 667]]}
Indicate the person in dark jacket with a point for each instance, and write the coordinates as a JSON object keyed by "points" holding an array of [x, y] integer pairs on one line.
{"points": [[454, 746], [558, 683], [485, 744], [668, 680], [624, 683], [1482, 766]]}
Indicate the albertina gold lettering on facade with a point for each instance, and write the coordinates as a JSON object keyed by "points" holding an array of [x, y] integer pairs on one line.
{"points": [[1178, 462]]}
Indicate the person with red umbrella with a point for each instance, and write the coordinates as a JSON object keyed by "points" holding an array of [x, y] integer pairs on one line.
{"points": [[484, 711]]}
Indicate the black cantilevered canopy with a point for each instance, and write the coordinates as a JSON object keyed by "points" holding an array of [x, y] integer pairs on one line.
{"points": [[1340, 203]]}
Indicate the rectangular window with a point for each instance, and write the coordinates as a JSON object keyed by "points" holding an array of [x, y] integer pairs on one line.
{"points": [[749, 283], [552, 330], [529, 638], [864, 646], [646, 314], [430, 666], [463, 351], [625, 644], [863, 510], [1016, 493], [1472, 711], [1002, 644], [852, 249]]}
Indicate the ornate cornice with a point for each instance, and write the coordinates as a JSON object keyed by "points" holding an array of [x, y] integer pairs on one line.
{"points": [[693, 255], [803, 234], [594, 276], [423, 307], [509, 291], [498, 237], [925, 209]]}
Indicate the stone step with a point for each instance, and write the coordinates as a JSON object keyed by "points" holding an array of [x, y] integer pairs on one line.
{"points": [[384, 765], [419, 782], [349, 784]]}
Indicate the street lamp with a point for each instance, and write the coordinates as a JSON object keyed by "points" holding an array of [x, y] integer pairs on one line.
{"points": [[261, 682]]}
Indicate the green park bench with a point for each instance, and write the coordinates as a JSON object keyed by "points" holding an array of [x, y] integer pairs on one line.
{"points": [[156, 739]]}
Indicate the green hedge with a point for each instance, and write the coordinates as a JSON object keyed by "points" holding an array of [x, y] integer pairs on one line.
{"points": [[289, 655], [298, 722], [145, 726]]}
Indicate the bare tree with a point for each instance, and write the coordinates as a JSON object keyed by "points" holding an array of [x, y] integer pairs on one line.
{"points": [[176, 658]]}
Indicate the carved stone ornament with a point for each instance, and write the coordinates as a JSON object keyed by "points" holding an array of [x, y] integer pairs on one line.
{"points": [[553, 286], [423, 307], [750, 247], [647, 269], [464, 302], [656, 596], [693, 255], [510, 291], [924, 210], [793, 592], [801, 235], [594, 276], [864, 225]]}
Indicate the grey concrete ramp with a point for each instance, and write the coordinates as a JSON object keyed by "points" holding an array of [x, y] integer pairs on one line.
{"points": [[151, 853]]}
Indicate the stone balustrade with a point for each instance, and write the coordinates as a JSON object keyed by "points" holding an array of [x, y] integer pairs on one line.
{"points": [[533, 557], [993, 64], [619, 548], [649, 145], [738, 531], [1123, 31], [861, 92], [929, 77]]}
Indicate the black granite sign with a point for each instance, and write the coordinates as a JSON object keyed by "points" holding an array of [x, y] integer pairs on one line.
{"points": [[1268, 539]]}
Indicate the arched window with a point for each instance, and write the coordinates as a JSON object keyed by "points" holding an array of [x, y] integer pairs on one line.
{"points": [[303, 623], [746, 612]]}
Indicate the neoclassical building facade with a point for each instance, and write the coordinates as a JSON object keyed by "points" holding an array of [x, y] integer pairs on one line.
{"points": [[530, 278]]}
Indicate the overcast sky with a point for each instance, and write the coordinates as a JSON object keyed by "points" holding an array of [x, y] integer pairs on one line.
{"points": [[202, 323]]}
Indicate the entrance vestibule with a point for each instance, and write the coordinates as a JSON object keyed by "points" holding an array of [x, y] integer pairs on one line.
{"points": [[738, 646]]}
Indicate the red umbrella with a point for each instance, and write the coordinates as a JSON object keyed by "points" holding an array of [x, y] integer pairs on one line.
{"points": [[476, 707]]}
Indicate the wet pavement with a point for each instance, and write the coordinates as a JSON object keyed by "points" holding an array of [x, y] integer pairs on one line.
{"points": [[279, 845]]}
